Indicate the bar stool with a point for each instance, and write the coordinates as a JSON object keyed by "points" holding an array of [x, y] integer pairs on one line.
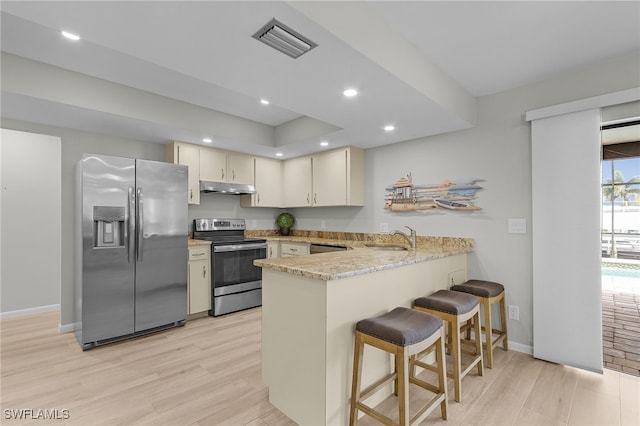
{"points": [[489, 293], [456, 309], [404, 333]]}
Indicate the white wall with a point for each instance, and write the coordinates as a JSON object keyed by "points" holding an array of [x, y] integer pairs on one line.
{"points": [[497, 149], [30, 267], [74, 144]]}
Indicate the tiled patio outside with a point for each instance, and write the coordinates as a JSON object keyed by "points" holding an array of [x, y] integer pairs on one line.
{"points": [[621, 323]]}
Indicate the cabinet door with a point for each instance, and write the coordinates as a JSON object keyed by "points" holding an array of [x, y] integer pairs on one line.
{"points": [[190, 156], [330, 178], [268, 183], [273, 249], [199, 288], [297, 182], [240, 168], [213, 165], [293, 249]]}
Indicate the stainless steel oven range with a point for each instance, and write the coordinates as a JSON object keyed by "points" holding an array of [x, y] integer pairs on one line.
{"points": [[235, 283]]}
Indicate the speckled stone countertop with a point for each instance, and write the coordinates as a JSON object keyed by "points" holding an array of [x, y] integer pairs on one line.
{"points": [[192, 243], [358, 259]]}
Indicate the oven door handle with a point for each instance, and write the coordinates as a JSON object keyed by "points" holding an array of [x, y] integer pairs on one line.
{"points": [[239, 247]]}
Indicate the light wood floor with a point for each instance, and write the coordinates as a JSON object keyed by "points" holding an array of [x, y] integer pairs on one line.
{"points": [[208, 373]]}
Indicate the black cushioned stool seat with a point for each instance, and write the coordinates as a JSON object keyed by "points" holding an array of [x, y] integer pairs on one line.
{"points": [[488, 293], [409, 335], [451, 302], [456, 308]]}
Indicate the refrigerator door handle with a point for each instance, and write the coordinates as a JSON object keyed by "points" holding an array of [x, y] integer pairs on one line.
{"points": [[129, 223], [140, 215]]}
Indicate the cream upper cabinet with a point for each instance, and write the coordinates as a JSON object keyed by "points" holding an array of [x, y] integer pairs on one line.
{"points": [[297, 182], [240, 168], [224, 166], [213, 165], [268, 183], [187, 155], [332, 178]]}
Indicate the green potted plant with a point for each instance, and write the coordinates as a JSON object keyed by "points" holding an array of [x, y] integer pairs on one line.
{"points": [[285, 221]]}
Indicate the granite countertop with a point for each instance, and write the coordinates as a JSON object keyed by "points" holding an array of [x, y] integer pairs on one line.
{"points": [[358, 259], [192, 243]]}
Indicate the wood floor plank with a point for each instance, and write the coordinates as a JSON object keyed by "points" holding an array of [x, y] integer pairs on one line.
{"points": [[209, 373]]}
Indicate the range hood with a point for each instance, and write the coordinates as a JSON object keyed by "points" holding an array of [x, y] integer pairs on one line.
{"points": [[226, 187]]}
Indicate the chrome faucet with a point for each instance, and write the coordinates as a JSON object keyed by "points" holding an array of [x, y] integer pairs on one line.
{"points": [[411, 238]]}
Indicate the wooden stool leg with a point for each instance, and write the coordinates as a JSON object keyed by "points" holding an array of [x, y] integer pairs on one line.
{"points": [[503, 319], [454, 333], [402, 368], [488, 330], [442, 374], [357, 375], [478, 333]]}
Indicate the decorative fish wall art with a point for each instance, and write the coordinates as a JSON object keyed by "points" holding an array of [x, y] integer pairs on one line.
{"points": [[459, 194]]}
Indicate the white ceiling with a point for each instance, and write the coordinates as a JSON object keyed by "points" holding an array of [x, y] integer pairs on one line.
{"points": [[418, 65]]}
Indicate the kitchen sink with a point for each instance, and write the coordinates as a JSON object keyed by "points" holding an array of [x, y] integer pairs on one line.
{"points": [[388, 247]]}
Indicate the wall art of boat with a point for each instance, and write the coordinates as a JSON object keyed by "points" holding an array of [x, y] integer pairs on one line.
{"points": [[460, 194]]}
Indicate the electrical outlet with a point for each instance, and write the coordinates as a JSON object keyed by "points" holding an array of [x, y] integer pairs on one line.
{"points": [[253, 223], [455, 277], [323, 224], [514, 312], [384, 227]]}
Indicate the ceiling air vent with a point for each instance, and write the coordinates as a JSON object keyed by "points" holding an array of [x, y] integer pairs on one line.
{"points": [[284, 39]]}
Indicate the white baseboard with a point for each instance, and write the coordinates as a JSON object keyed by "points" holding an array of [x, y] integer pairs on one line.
{"points": [[519, 347], [68, 328], [29, 311]]}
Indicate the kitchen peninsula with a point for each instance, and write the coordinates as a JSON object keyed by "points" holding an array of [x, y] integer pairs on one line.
{"points": [[311, 304]]}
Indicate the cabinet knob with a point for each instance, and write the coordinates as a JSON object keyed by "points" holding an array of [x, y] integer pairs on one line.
{"points": [[233, 174], [222, 171], [204, 271], [191, 194]]}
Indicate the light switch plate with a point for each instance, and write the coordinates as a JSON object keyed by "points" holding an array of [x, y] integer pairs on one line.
{"points": [[323, 224], [384, 227], [517, 226]]}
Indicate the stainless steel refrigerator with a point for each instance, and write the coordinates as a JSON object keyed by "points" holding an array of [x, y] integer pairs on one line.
{"points": [[131, 248]]}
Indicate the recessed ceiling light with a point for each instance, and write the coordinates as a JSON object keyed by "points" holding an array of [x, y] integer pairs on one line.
{"points": [[70, 36], [324, 143], [264, 102], [207, 140], [350, 93], [279, 154], [389, 128]]}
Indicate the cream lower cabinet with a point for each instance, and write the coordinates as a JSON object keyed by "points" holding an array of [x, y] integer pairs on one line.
{"points": [[293, 249], [273, 249], [199, 279], [187, 155]]}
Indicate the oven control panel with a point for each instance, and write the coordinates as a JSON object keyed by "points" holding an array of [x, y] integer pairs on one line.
{"points": [[218, 224]]}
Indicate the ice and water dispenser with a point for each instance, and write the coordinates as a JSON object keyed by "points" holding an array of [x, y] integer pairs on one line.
{"points": [[108, 226]]}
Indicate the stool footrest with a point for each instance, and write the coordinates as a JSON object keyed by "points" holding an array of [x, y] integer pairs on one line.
{"points": [[373, 413], [374, 387]]}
